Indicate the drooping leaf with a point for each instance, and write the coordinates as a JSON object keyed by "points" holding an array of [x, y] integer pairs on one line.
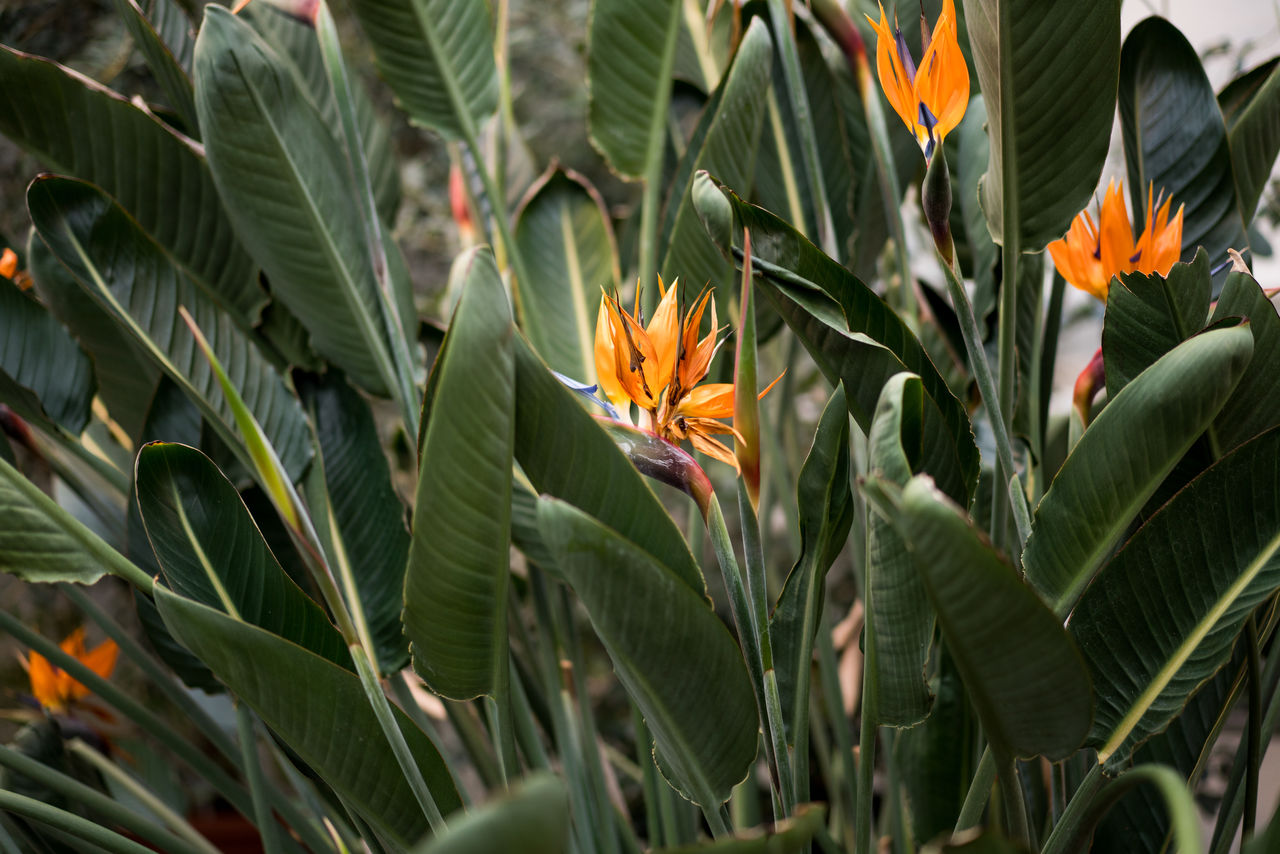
{"points": [[1022, 671], [211, 551], [437, 56], [1253, 134], [455, 587], [165, 67], [1123, 457], [532, 818], [289, 192], [338, 737], [562, 231], [1255, 404], [1048, 77], [826, 510], [1212, 550], [43, 372], [1175, 139], [565, 453], [142, 288], [699, 708], [789, 836], [631, 51], [47, 109]]}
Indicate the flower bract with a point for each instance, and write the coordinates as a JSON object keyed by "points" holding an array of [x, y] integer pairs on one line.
{"points": [[53, 687]]}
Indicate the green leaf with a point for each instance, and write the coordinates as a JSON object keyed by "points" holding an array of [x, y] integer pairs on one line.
{"points": [[1123, 457], [792, 835], [142, 287], [729, 136], [826, 514], [972, 155], [455, 587], [288, 187], [1254, 139], [1175, 138], [43, 371], [1024, 675], [532, 818], [316, 708], [366, 520], [566, 454], [80, 128], [897, 604], [168, 71], [41, 542], [857, 339], [437, 56], [562, 231], [1255, 404], [212, 552], [1239, 93], [630, 54], [1048, 76], [1212, 550], [700, 708], [174, 27], [1149, 315]]}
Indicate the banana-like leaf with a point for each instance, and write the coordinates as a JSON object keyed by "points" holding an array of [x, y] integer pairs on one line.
{"points": [[1123, 457], [826, 514], [1175, 138], [1163, 614], [563, 234], [78, 127], [212, 552], [142, 287], [437, 56], [1149, 315], [288, 188], [850, 332], [43, 372], [126, 379], [630, 55], [725, 146], [1254, 138], [1024, 675], [174, 80], [366, 520], [566, 454], [897, 605], [700, 708], [789, 836], [41, 542], [455, 587], [320, 711], [1048, 77], [171, 23], [532, 818], [1255, 405]]}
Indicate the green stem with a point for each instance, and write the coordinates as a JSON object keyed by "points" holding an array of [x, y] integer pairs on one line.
{"points": [[828, 671], [649, 782], [975, 801], [655, 152], [471, 734], [1253, 755], [257, 783], [870, 714], [70, 823], [1096, 795], [1015, 805]]}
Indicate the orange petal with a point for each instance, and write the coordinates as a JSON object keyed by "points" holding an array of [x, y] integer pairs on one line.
{"points": [[44, 682], [714, 449], [1074, 256], [1115, 233], [101, 660], [1166, 248], [606, 357], [893, 77], [635, 360], [942, 83], [712, 400], [8, 263], [664, 333]]}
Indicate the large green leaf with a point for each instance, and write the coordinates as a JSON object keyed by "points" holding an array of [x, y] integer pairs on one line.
{"points": [[437, 56], [1175, 138], [142, 287], [1048, 77], [532, 818], [1255, 405], [126, 378], [897, 605], [792, 835], [1123, 457], [1023, 672], [725, 146], [320, 711], [455, 587], [563, 234], [80, 128], [165, 67], [211, 551], [565, 453], [826, 510], [43, 372], [700, 708], [1163, 614], [365, 525], [1254, 139], [852, 335], [288, 188], [631, 51]]}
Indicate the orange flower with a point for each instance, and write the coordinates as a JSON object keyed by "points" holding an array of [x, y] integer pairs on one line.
{"points": [[53, 687], [1089, 256], [8, 263], [658, 367], [931, 100]]}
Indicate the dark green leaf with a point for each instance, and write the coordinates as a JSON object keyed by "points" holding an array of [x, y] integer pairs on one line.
{"points": [[1254, 138], [792, 835], [1255, 404], [532, 818], [165, 67], [972, 154], [43, 372]]}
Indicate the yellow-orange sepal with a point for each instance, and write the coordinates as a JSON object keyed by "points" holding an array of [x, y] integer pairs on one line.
{"points": [[53, 687]]}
